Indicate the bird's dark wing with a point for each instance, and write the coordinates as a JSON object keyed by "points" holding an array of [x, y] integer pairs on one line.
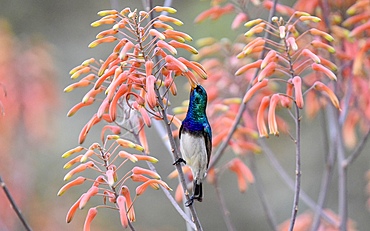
{"points": [[180, 131], [207, 134]]}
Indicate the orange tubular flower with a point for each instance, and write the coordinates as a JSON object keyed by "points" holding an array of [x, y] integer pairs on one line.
{"points": [[261, 125], [177, 35], [326, 71], [131, 157], [139, 170], [78, 106], [279, 8], [121, 203], [243, 69], [110, 177], [81, 83], [90, 216], [86, 197], [275, 99], [150, 96], [271, 55], [165, 45], [198, 69], [98, 41], [284, 100], [94, 120], [322, 87], [82, 70], [72, 162], [150, 159], [242, 172], [80, 168], [297, 81], [254, 89], [73, 209], [269, 70], [129, 144], [238, 20], [141, 188], [126, 193], [292, 43], [72, 151], [172, 60], [79, 180], [104, 66], [308, 53]]}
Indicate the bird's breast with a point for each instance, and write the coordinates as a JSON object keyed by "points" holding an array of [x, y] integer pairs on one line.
{"points": [[194, 152]]}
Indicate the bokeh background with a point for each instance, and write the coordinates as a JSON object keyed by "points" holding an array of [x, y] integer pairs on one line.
{"points": [[40, 41]]}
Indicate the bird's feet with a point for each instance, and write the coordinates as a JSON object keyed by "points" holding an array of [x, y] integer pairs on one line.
{"points": [[179, 161], [191, 200]]}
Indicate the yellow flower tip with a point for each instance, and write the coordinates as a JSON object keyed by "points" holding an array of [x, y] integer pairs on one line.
{"points": [[175, 21], [87, 62], [113, 137], [253, 22], [301, 13], [310, 18], [352, 10], [103, 21], [205, 41], [68, 89], [232, 101], [103, 13], [167, 9], [72, 151]]}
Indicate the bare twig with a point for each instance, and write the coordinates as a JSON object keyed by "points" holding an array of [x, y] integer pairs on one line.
{"points": [[286, 178], [261, 194], [14, 205], [225, 211], [326, 178], [352, 157], [298, 169]]}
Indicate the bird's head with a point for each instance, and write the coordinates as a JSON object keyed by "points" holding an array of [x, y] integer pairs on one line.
{"points": [[198, 97]]}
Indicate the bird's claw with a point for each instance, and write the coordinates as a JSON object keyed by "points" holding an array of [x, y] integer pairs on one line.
{"points": [[179, 161], [189, 202]]}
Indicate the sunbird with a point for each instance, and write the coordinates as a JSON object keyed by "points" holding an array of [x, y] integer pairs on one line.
{"points": [[196, 140]]}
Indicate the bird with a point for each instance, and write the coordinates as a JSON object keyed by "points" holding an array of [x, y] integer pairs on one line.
{"points": [[196, 140]]}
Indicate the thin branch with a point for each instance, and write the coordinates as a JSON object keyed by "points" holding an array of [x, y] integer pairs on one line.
{"points": [[286, 178], [224, 210], [298, 169], [14, 205], [261, 194], [217, 156], [353, 156], [326, 178]]}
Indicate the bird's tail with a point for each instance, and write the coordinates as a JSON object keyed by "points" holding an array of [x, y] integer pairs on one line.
{"points": [[198, 191]]}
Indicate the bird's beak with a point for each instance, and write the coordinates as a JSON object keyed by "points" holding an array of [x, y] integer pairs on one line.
{"points": [[193, 85]]}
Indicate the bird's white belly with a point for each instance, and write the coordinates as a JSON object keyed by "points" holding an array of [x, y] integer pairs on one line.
{"points": [[194, 152]]}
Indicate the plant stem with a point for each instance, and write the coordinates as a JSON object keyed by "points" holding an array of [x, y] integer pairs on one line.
{"points": [[14, 205], [286, 178], [298, 169], [326, 178], [224, 210], [261, 194], [352, 157]]}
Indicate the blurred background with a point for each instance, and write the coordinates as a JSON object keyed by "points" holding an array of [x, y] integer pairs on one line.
{"points": [[40, 42]]}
